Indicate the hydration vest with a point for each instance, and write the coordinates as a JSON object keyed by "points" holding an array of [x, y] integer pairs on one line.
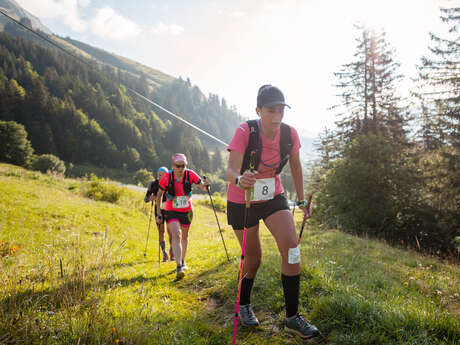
{"points": [[255, 144], [187, 185]]}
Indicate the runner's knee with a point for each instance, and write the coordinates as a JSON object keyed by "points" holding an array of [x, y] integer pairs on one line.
{"points": [[175, 232], [293, 255]]}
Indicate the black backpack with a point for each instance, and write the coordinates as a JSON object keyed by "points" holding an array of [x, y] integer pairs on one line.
{"points": [[255, 144], [185, 183], [153, 189]]}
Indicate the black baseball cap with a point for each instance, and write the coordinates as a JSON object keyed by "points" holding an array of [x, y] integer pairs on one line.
{"points": [[270, 95]]}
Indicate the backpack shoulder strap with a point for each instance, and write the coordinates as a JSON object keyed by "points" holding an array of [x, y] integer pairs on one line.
{"points": [[253, 145], [189, 184], [170, 188], [285, 146]]}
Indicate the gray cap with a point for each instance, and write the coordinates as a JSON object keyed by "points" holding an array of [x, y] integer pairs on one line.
{"points": [[270, 95]]}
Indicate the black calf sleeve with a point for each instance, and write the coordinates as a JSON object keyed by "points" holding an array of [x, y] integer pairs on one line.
{"points": [[246, 287], [291, 286]]}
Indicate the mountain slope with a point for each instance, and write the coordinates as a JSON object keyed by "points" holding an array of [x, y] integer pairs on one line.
{"points": [[87, 116], [84, 113], [157, 78], [13, 9]]}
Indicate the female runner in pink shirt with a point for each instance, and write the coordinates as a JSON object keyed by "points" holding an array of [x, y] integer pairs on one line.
{"points": [[269, 204], [177, 184]]}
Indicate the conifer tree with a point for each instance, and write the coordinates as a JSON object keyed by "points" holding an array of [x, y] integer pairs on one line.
{"points": [[361, 172], [368, 90], [440, 96], [15, 148]]}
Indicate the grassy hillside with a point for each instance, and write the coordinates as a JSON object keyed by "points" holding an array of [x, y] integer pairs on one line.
{"points": [[155, 77], [356, 291]]}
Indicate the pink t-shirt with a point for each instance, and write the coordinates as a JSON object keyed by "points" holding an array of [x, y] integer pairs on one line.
{"points": [[270, 155], [179, 189]]}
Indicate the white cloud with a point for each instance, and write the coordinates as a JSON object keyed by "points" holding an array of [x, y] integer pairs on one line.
{"points": [[65, 9], [105, 23], [109, 24], [172, 29]]}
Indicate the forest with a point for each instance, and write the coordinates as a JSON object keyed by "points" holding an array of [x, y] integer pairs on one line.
{"points": [[85, 114], [390, 167]]}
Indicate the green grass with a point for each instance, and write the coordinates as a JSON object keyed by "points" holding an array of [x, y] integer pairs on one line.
{"points": [[357, 291]]}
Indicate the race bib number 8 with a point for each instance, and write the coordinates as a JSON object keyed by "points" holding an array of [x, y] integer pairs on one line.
{"points": [[264, 189], [180, 202]]}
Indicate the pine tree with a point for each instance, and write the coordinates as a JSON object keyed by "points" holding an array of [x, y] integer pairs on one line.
{"points": [[368, 91], [441, 72], [440, 96], [362, 170], [15, 148]]}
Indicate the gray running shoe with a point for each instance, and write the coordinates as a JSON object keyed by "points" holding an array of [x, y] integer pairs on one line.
{"points": [[180, 272], [247, 316], [184, 265], [296, 324]]}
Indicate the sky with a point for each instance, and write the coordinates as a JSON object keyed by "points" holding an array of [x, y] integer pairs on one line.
{"points": [[232, 47]]}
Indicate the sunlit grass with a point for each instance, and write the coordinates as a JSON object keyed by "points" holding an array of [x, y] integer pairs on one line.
{"points": [[357, 291]]}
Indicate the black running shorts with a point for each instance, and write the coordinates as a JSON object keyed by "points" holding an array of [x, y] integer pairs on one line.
{"points": [[184, 218], [257, 211]]}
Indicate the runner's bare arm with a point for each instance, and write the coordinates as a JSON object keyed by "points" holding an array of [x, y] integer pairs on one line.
{"points": [[235, 161], [297, 176], [159, 200]]}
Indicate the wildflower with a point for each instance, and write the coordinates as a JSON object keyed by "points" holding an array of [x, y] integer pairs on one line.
{"points": [[406, 283]]}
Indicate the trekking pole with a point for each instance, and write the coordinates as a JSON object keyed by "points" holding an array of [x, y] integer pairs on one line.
{"points": [[148, 232], [305, 218], [158, 227], [243, 247], [220, 230]]}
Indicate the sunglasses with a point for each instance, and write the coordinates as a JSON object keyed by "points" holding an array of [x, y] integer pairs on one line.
{"points": [[180, 166]]}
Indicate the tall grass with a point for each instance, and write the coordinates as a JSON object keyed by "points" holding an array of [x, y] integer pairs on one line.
{"points": [[77, 275]]}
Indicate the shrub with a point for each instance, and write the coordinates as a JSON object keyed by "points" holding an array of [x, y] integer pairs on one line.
{"points": [[14, 146], [143, 177], [100, 190], [48, 163], [220, 203]]}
